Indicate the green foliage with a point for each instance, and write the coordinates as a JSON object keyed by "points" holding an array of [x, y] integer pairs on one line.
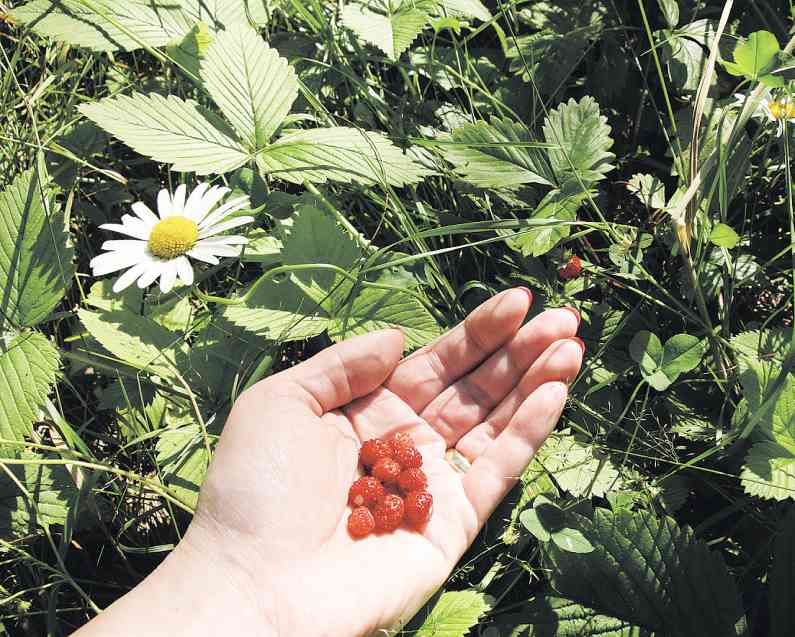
{"points": [[661, 364], [28, 366], [454, 614], [547, 522], [34, 495], [755, 58], [649, 189], [35, 251], [724, 236], [183, 458], [390, 27]]}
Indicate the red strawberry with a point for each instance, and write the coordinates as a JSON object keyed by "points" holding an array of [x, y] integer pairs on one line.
{"points": [[365, 492], [401, 439], [372, 451], [412, 480], [407, 457], [388, 513], [386, 470], [418, 507], [571, 269], [360, 522]]}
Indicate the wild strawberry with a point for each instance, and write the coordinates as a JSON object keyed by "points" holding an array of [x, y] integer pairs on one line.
{"points": [[386, 470], [418, 506], [388, 513], [412, 480], [407, 457], [571, 269], [360, 522], [401, 439], [372, 451], [365, 492]]}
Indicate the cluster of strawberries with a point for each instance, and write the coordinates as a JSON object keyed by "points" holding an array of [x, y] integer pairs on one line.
{"points": [[394, 490]]}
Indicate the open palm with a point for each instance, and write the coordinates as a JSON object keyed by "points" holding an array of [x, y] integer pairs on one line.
{"points": [[277, 487]]}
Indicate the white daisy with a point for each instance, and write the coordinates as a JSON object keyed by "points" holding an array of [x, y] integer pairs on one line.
{"points": [[161, 245], [780, 111]]}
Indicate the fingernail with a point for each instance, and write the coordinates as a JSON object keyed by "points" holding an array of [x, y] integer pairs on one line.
{"points": [[575, 312], [579, 342], [528, 292]]}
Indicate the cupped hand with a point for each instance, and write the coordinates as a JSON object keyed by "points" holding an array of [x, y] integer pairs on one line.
{"points": [[274, 501]]}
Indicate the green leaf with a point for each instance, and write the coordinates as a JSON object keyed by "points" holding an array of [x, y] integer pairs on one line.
{"points": [[262, 248], [134, 339], [781, 580], [189, 50], [183, 460], [724, 236], [571, 540], [468, 8], [279, 311], [251, 83], [647, 351], [116, 25], [650, 190], [532, 522], [769, 471], [582, 141], [648, 572], [577, 467], [390, 27], [454, 614], [662, 365], [555, 205], [551, 616], [685, 52], [499, 154], [170, 130], [681, 353], [339, 154], [755, 56], [35, 252], [49, 496], [670, 11], [375, 309], [28, 367]]}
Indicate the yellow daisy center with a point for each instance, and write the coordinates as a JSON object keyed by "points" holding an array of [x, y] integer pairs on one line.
{"points": [[783, 109], [172, 237]]}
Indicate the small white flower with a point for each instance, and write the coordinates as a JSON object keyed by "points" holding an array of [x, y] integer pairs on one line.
{"points": [[780, 111], [161, 245]]}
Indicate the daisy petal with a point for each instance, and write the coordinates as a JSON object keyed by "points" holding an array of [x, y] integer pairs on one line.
{"points": [[225, 225], [169, 276], [195, 199], [185, 270], [203, 254], [126, 245], [112, 261], [129, 277], [210, 199], [153, 270], [144, 213], [178, 201], [224, 211], [223, 240], [164, 208], [131, 229]]}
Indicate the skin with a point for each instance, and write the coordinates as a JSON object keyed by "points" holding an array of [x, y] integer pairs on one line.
{"points": [[268, 553]]}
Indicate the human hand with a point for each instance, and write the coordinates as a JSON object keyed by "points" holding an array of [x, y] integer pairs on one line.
{"points": [[271, 521]]}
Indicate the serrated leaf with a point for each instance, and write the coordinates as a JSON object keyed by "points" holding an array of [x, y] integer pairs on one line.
{"points": [[375, 309], [649, 189], [644, 571], [769, 471], [498, 154], [279, 311], [250, 82], [549, 616], [555, 205], [183, 460], [755, 346], [576, 467], [51, 496], [170, 130], [35, 252], [724, 236], [28, 366], [685, 52], [454, 614], [670, 11], [468, 8], [582, 141], [392, 28], [781, 580], [755, 56], [133, 339], [339, 154]]}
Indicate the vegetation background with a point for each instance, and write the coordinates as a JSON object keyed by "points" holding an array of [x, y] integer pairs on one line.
{"points": [[430, 154]]}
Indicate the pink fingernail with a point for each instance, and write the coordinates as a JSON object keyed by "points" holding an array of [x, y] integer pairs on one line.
{"points": [[529, 293], [579, 342]]}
